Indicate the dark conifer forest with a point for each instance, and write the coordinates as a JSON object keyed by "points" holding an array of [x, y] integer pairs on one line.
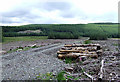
{"points": [[96, 31]]}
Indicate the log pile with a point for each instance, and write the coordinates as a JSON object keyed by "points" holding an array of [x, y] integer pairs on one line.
{"points": [[80, 50]]}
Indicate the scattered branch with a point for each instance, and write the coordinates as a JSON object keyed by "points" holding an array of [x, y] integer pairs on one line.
{"points": [[101, 71], [75, 74], [89, 75]]}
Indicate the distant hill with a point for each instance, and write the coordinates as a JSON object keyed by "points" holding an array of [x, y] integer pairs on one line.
{"points": [[64, 30], [104, 23]]}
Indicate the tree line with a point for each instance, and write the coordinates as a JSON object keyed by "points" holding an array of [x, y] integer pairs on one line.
{"points": [[65, 31]]}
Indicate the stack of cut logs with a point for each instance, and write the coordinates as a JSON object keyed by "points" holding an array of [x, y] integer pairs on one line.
{"points": [[80, 50]]}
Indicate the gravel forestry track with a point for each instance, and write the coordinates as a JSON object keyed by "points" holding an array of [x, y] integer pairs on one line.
{"points": [[26, 65]]}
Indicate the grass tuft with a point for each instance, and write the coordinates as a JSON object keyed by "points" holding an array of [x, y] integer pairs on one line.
{"points": [[87, 42], [68, 60], [60, 76]]}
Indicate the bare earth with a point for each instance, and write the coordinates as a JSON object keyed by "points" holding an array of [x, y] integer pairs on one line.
{"points": [[26, 65]]}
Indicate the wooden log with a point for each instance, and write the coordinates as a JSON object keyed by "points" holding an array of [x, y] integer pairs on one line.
{"points": [[81, 45], [80, 48], [61, 56], [75, 74], [92, 78], [91, 52], [58, 52], [68, 69], [101, 70], [99, 52], [82, 51], [76, 55], [81, 58], [66, 48], [92, 48], [19, 50], [83, 54], [86, 51], [3, 52], [68, 45], [69, 51], [78, 51], [32, 45]]}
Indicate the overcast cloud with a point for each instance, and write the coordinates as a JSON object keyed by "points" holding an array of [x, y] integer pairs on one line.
{"points": [[19, 12]]}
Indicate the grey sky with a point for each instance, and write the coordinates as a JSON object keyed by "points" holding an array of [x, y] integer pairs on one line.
{"points": [[19, 12]]}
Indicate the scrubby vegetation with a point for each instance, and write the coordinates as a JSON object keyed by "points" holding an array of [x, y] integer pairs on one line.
{"points": [[65, 31], [51, 76], [59, 77], [21, 38], [62, 35], [87, 42], [22, 48], [98, 36]]}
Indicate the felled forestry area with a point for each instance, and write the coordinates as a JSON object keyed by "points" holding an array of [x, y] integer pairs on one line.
{"points": [[89, 61], [99, 60]]}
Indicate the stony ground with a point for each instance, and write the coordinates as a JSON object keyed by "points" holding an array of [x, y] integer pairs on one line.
{"points": [[111, 68], [26, 65], [111, 55]]}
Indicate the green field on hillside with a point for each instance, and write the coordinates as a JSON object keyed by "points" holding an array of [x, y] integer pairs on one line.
{"points": [[66, 31], [23, 38]]}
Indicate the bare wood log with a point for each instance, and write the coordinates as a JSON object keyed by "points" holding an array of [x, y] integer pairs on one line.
{"points": [[81, 58], [89, 75], [19, 50], [91, 53], [99, 52], [81, 45], [3, 52], [75, 74], [60, 56], [68, 69], [79, 51], [80, 48], [68, 45], [86, 52], [83, 51], [69, 51], [32, 45], [58, 52], [76, 55], [86, 48], [66, 48], [92, 48], [101, 70], [89, 48], [71, 56], [63, 56], [82, 54], [76, 51]]}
